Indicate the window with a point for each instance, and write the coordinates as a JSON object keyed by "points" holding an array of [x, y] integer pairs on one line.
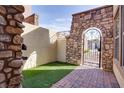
{"points": [[117, 25], [122, 26], [117, 49], [119, 36], [117, 30], [123, 49]]}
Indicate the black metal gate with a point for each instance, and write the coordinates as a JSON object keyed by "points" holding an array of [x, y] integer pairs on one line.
{"points": [[92, 52]]}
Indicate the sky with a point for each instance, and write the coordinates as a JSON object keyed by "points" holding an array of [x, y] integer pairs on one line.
{"points": [[92, 34], [58, 17]]}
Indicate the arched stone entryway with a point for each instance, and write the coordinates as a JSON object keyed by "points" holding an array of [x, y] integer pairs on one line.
{"points": [[101, 18]]}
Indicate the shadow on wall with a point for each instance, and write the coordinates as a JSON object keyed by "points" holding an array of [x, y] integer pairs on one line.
{"points": [[31, 61], [41, 45]]}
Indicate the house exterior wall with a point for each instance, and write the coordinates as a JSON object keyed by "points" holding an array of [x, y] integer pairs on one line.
{"points": [[41, 46], [118, 68], [119, 73], [101, 18]]}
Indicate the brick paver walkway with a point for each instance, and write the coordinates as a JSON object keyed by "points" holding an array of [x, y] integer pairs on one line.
{"points": [[88, 76]]}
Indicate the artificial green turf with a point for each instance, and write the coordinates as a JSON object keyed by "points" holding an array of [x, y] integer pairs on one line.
{"points": [[45, 75]]}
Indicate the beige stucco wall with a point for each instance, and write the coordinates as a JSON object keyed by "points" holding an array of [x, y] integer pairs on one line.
{"points": [[41, 45], [115, 7], [28, 10], [61, 49], [119, 75], [118, 70]]}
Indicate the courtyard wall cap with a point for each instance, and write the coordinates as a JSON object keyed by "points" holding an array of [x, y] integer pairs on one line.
{"points": [[93, 9]]}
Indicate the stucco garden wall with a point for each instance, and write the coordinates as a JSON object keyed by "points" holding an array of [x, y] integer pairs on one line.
{"points": [[61, 49], [41, 45]]}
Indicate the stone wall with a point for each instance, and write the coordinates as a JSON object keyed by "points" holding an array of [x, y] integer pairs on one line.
{"points": [[11, 18], [101, 18]]}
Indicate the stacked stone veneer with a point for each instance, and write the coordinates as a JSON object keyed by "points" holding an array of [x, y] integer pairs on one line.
{"points": [[101, 18], [11, 18]]}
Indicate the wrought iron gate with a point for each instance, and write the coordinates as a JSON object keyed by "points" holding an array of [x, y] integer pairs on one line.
{"points": [[92, 52]]}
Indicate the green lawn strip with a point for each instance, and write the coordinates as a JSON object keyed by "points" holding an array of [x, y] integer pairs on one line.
{"points": [[45, 75]]}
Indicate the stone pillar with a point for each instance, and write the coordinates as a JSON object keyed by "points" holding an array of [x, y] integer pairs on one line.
{"points": [[11, 18]]}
